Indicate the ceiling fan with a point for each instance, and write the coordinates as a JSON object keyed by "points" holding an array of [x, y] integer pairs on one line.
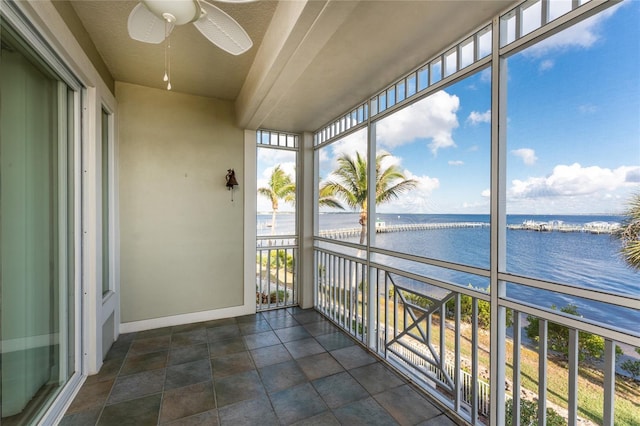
{"points": [[152, 21]]}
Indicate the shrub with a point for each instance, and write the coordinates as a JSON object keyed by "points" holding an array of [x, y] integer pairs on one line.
{"points": [[281, 259], [273, 297], [279, 296], [284, 258], [590, 346], [484, 310], [529, 414], [632, 367], [412, 298]]}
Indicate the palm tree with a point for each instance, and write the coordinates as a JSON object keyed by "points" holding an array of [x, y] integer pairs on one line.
{"points": [[629, 233], [281, 187], [326, 199], [350, 184]]}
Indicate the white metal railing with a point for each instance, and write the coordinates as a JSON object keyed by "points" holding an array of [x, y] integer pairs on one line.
{"points": [[339, 281], [276, 273], [414, 358], [403, 326], [432, 332]]}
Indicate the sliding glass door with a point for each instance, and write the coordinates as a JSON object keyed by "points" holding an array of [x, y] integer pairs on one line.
{"points": [[37, 292]]}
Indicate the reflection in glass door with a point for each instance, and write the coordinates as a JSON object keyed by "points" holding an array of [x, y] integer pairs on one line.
{"points": [[37, 300]]}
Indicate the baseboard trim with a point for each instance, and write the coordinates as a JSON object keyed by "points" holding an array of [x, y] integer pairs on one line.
{"points": [[235, 311]]}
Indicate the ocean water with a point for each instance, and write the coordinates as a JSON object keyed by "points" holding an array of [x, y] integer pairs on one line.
{"points": [[575, 258]]}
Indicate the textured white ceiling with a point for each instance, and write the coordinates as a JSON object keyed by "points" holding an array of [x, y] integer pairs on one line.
{"points": [[319, 58], [197, 66]]}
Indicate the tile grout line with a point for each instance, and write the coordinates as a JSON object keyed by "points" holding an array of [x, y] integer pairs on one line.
{"points": [[278, 320]]}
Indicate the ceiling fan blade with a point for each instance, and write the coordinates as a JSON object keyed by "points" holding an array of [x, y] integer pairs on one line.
{"points": [[145, 26], [222, 30]]}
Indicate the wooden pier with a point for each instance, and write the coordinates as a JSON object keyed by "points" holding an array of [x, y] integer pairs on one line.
{"points": [[527, 225], [559, 226], [383, 228]]}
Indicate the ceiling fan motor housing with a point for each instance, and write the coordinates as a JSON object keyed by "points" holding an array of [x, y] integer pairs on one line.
{"points": [[178, 12]]}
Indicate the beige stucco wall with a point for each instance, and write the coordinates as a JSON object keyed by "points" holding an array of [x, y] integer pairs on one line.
{"points": [[181, 236]]}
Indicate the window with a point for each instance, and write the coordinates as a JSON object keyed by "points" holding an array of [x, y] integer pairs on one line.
{"points": [[434, 175], [276, 220], [106, 205], [573, 160], [342, 192], [37, 227], [562, 150]]}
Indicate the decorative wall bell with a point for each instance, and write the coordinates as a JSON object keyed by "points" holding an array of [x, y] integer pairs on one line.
{"points": [[231, 181]]}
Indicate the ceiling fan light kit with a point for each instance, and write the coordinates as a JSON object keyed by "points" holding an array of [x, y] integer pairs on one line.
{"points": [[152, 21], [181, 11]]}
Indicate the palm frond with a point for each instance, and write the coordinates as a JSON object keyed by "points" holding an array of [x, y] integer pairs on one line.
{"points": [[327, 199], [280, 187], [629, 233], [348, 183]]}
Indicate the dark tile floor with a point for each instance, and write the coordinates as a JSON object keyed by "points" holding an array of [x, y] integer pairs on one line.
{"points": [[273, 368]]}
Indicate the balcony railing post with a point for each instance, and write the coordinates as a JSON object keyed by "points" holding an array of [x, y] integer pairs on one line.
{"points": [[456, 372], [609, 382], [386, 312], [332, 289], [277, 279], [376, 341], [572, 401], [516, 368], [542, 372], [474, 361]]}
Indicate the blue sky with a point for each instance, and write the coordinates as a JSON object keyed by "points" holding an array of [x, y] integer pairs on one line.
{"points": [[573, 129]]}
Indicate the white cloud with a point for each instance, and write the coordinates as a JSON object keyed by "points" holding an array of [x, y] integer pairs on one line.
{"points": [[416, 200], [575, 190], [350, 144], [323, 155], [545, 65], [582, 35], [288, 167], [633, 175], [587, 109], [527, 155], [479, 117], [486, 193], [485, 75], [269, 156], [389, 160], [432, 118], [479, 207], [456, 163], [574, 180], [425, 184]]}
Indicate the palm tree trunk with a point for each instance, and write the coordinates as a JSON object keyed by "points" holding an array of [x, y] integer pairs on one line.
{"points": [[363, 223], [273, 223]]}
